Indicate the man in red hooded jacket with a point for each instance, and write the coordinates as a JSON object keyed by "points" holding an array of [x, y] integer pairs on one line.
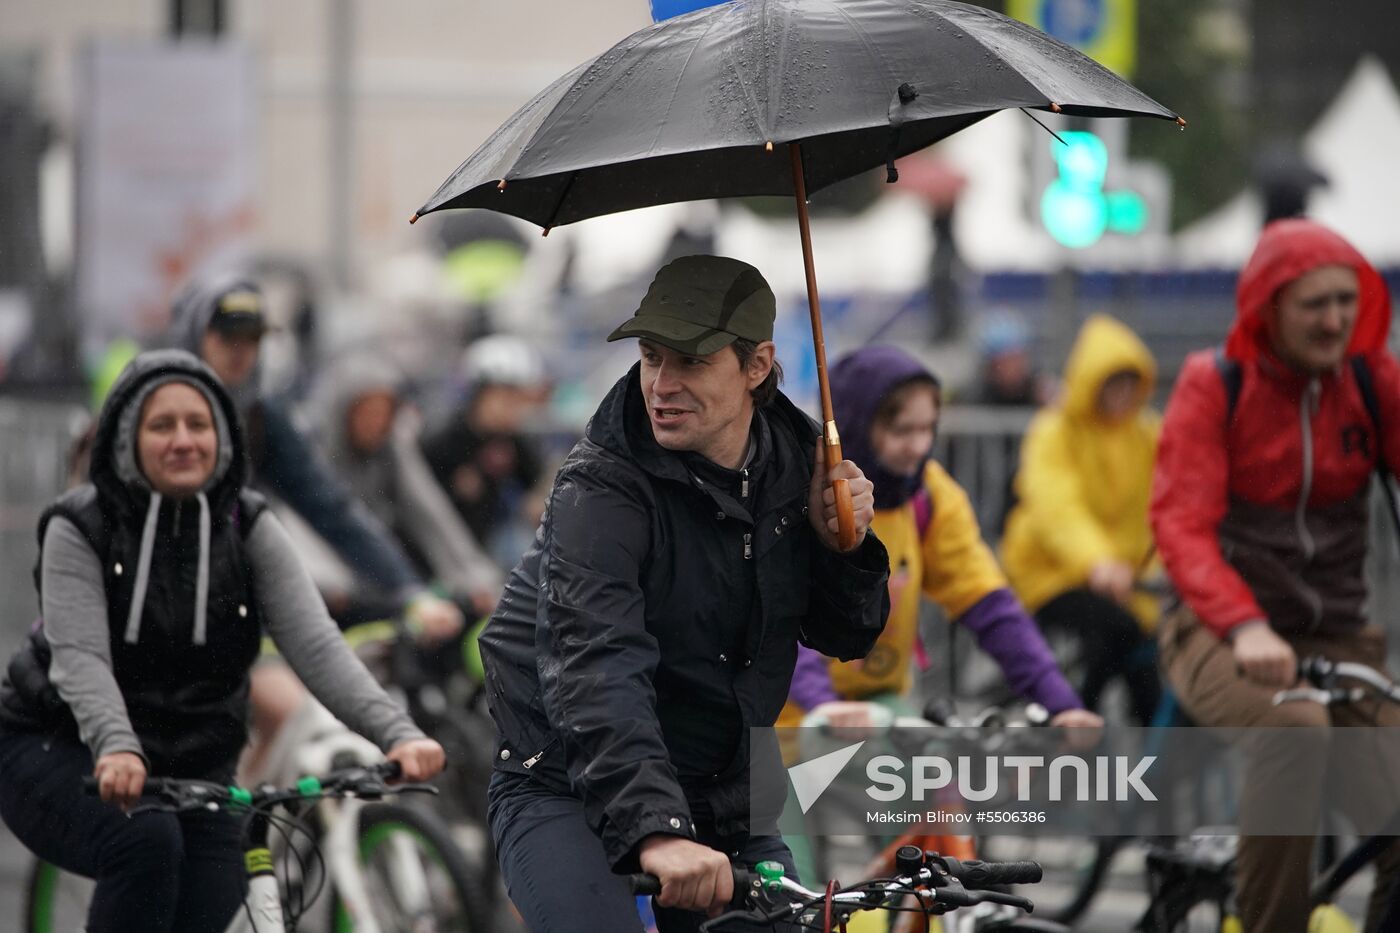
{"points": [[1260, 511]]}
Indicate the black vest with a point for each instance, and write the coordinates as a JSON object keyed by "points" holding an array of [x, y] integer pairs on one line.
{"points": [[187, 703]]}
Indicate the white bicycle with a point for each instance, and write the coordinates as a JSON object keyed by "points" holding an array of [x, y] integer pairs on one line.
{"points": [[384, 867]]}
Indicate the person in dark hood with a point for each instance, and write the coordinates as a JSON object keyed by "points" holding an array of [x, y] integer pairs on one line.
{"points": [[157, 579], [221, 320], [1260, 511], [481, 455], [688, 545]]}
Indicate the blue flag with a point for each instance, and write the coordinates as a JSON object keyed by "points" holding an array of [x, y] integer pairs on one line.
{"points": [[665, 9]]}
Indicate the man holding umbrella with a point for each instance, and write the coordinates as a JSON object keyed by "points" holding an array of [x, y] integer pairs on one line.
{"points": [[689, 543]]}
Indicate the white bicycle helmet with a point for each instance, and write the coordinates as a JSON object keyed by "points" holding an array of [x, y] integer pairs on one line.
{"points": [[502, 359]]}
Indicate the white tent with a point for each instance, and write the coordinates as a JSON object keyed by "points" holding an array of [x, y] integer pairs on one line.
{"points": [[1353, 143]]}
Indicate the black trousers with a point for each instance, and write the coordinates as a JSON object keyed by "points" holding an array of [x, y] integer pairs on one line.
{"points": [[1114, 646], [559, 877], [155, 872]]}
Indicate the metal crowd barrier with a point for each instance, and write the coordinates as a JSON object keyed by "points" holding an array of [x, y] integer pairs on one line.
{"points": [[35, 438], [980, 446]]}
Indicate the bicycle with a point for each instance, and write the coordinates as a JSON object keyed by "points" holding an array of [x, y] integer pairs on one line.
{"points": [[925, 883], [390, 866], [1192, 885], [449, 705], [992, 723]]}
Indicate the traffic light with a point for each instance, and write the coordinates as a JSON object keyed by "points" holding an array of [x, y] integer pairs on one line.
{"points": [[1075, 207]]}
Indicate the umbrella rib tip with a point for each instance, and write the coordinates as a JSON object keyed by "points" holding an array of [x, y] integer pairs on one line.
{"points": [[1055, 108], [414, 218], [1181, 122], [501, 185]]}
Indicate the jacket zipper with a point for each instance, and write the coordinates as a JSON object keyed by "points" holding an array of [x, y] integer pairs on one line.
{"points": [[1305, 537], [748, 545], [744, 486], [1305, 419], [534, 759]]}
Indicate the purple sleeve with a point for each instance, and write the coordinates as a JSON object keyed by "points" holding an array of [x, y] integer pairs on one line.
{"points": [[811, 682], [1010, 636]]}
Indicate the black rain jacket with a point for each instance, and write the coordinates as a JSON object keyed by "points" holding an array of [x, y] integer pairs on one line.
{"points": [[652, 602]]}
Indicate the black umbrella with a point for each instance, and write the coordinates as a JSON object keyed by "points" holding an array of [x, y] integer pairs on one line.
{"points": [[693, 107]]}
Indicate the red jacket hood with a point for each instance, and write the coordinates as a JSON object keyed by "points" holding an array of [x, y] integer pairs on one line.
{"points": [[1286, 250]]}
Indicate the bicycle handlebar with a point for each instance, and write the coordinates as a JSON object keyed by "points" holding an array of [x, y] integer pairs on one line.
{"points": [[182, 793], [942, 884], [1322, 674]]}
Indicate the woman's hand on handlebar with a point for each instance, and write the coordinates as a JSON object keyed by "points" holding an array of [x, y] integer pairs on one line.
{"points": [[693, 876], [419, 759], [121, 776]]}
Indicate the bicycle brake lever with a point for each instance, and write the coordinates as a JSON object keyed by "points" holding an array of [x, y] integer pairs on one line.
{"points": [[709, 925], [1010, 900]]}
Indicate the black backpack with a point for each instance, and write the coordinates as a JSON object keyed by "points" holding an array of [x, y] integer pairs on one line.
{"points": [[1233, 378]]}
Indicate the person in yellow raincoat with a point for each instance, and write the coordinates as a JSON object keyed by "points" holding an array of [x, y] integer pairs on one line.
{"points": [[1077, 545]]}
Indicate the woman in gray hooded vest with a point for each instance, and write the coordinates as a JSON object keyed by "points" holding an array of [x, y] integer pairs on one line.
{"points": [[157, 580]]}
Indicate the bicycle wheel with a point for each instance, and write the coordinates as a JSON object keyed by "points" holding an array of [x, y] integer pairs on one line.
{"points": [[55, 901], [416, 878]]}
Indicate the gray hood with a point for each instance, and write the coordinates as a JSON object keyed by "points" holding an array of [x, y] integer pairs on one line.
{"points": [[115, 472]]}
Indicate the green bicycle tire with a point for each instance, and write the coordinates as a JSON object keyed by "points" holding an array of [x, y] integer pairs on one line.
{"points": [[41, 903]]}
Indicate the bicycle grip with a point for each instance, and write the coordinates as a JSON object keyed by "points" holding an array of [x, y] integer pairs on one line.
{"points": [[978, 874], [644, 885]]}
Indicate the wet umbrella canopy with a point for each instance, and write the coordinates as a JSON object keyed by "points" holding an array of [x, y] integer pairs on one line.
{"points": [[698, 107], [684, 109]]}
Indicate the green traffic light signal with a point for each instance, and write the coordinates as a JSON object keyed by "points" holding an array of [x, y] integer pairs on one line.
{"points": [[1075, 209], [1082, 159]]}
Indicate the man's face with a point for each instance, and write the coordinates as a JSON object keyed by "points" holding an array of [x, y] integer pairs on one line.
{"points": [[231, 356], [702, 403], [1314, 316]]}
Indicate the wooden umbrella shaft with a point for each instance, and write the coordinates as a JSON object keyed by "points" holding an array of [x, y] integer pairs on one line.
{"points": [[845, 514]]}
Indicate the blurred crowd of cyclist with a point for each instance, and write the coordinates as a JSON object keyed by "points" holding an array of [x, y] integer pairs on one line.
{"points": [[427, 488]]}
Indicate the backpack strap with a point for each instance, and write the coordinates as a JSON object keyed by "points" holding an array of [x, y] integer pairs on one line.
{"points": [[1233, 378], [1367, 384], [923, 510]]}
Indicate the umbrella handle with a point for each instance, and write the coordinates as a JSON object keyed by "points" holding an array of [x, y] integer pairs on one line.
{"points": [[841, 490]]}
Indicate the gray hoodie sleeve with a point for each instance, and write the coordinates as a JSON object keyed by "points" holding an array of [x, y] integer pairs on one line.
{"points": [[75, 624], [297, 620], [439, 532]]}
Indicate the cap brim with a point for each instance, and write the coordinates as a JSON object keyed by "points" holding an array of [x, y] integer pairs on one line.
{"points": [[681, 336], [246, 327]]}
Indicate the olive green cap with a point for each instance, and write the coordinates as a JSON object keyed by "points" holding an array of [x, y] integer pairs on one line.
{"points": [[700, 304]]}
